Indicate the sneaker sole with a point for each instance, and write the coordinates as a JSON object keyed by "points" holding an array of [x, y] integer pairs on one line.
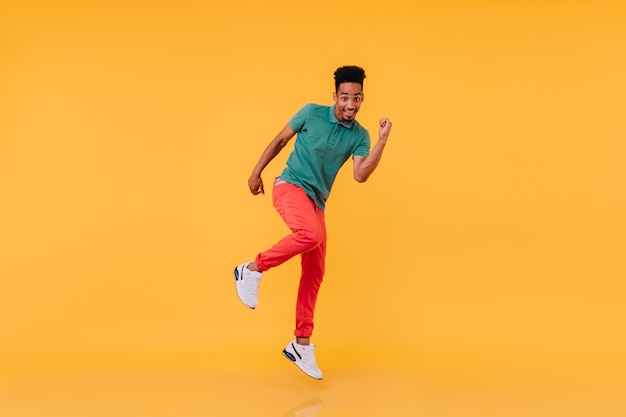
{"points": [[292, 359]]}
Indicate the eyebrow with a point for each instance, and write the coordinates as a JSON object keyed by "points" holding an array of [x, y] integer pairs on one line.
{"points": [[347, 94]]}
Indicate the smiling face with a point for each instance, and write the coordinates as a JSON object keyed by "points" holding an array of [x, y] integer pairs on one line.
{"points": [[348, 99]]}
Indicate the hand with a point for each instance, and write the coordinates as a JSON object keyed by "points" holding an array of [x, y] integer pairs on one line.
{"points": [[256, 184], [385, 127]]}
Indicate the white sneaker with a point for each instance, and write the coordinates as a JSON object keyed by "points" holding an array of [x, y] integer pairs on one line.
{"points": [[304, 358], [247, 283]]}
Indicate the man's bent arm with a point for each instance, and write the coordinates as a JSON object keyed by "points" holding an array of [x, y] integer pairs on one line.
{"points": [[364, 166], [255, 182]]}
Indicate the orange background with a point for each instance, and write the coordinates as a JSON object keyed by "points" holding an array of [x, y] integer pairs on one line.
{"points": [[489, 242]]}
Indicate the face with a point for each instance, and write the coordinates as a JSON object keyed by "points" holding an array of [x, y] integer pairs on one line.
{"points": [[348, 99]]}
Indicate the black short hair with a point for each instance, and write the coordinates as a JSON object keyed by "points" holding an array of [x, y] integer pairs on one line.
{"points": [[349, 74]]}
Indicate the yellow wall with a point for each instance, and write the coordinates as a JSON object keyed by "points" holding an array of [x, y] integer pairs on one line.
{"points": [[491, 235]]}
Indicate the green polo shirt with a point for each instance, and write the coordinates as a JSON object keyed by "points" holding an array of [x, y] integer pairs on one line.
{"points": [[322, 146]]}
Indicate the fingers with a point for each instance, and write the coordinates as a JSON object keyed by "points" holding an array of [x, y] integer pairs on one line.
{"points": [[385, 126], [257, 188], [255, 183]]}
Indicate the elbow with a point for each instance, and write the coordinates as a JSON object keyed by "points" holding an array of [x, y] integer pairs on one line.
{"points": [[360, 178]]}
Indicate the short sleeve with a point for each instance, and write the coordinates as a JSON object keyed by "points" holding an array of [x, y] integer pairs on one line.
{"points": [[297, 121], [363, 147]]}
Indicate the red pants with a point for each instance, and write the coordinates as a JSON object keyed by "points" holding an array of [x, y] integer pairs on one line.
{"points": [[307, 239]]}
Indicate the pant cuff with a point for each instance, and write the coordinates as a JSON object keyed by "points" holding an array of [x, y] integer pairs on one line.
{"points": [[260, 264]]}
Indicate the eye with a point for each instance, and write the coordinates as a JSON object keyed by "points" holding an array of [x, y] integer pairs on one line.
{"points": [[344, 98], [357, 99]]}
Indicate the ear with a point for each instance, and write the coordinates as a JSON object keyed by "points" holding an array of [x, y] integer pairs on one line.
{"points": [[335, 96]]}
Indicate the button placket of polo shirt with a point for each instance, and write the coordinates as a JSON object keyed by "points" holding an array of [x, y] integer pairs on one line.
{"points": [[334, 136]]}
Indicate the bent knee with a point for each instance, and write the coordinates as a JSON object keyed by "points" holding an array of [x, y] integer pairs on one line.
{"points": [[310, 238]]}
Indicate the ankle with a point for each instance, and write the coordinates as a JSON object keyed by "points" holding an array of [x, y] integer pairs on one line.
{"points": [[303, 341]]}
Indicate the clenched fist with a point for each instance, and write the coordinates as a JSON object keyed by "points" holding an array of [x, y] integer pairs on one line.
{"points": [[385, 127]]}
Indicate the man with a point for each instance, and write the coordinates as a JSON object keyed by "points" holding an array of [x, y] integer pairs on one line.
{"points": [[327, 137]]}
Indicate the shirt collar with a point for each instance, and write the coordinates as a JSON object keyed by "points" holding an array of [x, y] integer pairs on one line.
{"points": [[333, 119]]}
